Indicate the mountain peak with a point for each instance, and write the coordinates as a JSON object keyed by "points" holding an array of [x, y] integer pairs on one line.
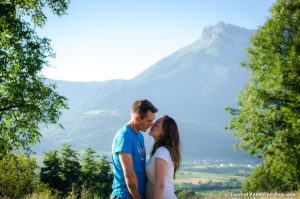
{"points": [[218, 42], [221, 31]]}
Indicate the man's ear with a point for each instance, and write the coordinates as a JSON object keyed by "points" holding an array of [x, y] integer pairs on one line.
{"points": [[137, 118]]}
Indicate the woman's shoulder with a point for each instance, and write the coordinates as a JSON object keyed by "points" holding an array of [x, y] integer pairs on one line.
{"points": [[162, 149], [163, 152]]}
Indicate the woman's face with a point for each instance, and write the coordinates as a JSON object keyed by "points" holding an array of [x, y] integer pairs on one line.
{"points": [[156, 130]]}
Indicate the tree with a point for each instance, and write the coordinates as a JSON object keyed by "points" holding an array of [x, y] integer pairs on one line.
{"points": [[63, 172], [69, 169], [26, 100], [268, 117], [50, 171], [96, 173], [17, 176], [104, 178], [89, 169]]}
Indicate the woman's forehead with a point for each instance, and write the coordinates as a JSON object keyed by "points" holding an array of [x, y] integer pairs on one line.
{"points": [[160, 119]]}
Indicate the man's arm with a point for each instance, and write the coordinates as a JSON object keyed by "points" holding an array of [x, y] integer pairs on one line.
{"points": [[129, 174]]}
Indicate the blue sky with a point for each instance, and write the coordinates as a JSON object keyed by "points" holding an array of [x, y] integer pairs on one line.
{"points": [[100, 40]]}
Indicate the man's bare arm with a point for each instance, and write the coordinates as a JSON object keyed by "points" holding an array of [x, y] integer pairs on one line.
{"points": [[129, 174]]}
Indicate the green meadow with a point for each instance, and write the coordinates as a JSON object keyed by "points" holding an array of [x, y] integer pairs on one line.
{"points": [[212, 177]]}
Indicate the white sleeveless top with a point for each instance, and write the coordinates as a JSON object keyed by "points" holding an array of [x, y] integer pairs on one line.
{"points": [[162, 153]]}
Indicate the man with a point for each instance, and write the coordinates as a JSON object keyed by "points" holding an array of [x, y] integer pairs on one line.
{"points": [[129, 155]]}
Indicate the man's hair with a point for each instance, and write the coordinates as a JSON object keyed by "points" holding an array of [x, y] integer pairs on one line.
{"points": [[141, 107]]}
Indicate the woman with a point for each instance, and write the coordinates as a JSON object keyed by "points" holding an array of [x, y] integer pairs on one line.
{"points": [[165, 159]]}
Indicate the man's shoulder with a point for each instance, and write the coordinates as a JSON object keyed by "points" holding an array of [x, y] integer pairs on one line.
{"points": [[125, 134], [125, 131], [123, 140]]}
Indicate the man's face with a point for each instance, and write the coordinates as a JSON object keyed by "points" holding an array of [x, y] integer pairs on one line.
{"points": [[146, 122]]}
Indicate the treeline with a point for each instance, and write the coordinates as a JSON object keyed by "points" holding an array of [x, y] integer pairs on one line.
{"points": [[232, 183], [63, 173]]}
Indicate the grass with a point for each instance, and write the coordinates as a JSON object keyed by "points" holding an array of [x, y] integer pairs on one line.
{"points": [[195, 173]]}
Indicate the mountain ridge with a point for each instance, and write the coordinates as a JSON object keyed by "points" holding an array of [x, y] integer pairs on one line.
{"points": [[194, 85], [212, 37]]}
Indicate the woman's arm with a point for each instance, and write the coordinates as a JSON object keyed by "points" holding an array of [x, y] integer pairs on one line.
{"points": [[161, 169]]}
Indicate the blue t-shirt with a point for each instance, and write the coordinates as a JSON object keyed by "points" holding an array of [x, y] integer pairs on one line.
{"points": [[126, 140]]}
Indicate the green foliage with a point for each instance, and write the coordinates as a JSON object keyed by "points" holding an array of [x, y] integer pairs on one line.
{"points": [[17, 176], [50, 172], [69, 168], [63, 171], [87, 194], [33, 9], [96, 173], [184, 193], [89, 167], [272, 176], [42, 195], [26, 100], [268, 118]]}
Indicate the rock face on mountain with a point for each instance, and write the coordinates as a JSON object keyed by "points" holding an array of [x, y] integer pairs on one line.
{"points": [[193, 85]]}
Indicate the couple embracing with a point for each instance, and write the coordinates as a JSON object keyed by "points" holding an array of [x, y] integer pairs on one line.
{"points": [[134, 177]]}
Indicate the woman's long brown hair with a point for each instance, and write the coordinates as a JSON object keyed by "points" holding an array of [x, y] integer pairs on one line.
{"points": [[171, 140]]}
